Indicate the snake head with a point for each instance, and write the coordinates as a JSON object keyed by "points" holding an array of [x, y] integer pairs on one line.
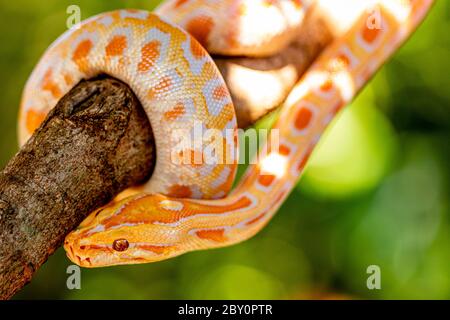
{"points": [[124, 232]]}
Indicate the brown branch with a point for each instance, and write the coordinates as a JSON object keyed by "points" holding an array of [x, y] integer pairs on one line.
{"points": [[96, 142]]}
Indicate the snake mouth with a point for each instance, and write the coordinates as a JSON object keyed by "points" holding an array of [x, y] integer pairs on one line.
{"points": [[75, 258]]}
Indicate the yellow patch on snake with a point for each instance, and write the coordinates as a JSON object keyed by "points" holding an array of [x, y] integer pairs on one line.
{"points": [[171, 205]]}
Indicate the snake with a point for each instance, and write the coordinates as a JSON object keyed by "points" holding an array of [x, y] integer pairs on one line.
{"points": [[164, 57]]}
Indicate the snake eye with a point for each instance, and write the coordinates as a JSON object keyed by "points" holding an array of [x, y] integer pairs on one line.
{"points": [[120, 244]]}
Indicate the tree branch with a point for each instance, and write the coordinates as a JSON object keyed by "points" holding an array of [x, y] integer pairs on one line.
{"points": [[96, 142]]}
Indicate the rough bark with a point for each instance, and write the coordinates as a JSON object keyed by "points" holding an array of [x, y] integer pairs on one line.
{"points": [[96, 142]]}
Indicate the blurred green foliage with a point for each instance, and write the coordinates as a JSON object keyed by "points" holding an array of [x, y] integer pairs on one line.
{"points": [[375, 192]]}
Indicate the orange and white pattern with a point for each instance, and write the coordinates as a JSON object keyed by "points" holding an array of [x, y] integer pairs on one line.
{"points": [[171, 74], [238, 27]]}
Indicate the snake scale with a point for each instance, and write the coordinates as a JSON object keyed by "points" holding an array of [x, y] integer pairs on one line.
{"points": [[188, 206]]}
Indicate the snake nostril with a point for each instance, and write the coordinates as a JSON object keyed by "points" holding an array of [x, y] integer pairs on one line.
{"points": [[98, 212]]}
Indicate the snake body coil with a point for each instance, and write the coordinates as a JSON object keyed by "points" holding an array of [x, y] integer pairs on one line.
{"points": [[189, 206]]}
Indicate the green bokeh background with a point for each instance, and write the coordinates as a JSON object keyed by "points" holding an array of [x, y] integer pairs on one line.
{"points": [[375, 192]]}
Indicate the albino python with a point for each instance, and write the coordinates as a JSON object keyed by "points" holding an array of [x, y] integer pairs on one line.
{"points": [[189, 206]]}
